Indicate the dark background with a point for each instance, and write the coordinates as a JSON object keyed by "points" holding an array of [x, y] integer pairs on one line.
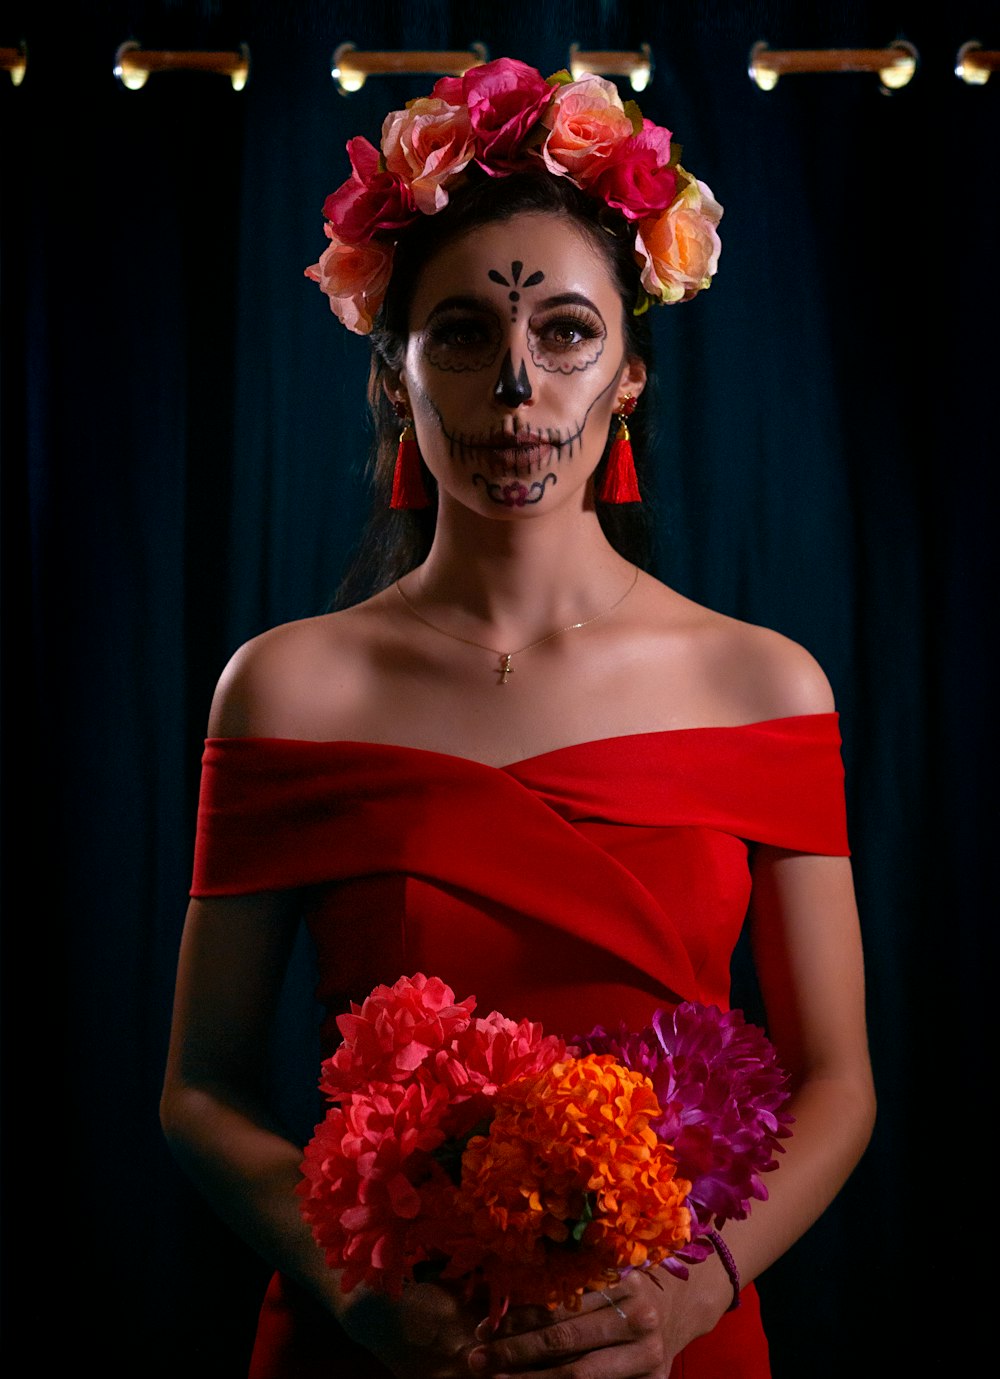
{"points": [[183, 444]]}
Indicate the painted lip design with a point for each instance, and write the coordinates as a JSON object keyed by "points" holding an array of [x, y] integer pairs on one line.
{"points": [[519, 439], [514, 456], [515, 452]]}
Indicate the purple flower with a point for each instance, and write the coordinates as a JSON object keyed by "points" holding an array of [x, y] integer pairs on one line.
{"points": [[723, 1098]]}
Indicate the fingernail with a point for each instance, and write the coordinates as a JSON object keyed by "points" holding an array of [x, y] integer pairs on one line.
{"points": [[477, 1360]]}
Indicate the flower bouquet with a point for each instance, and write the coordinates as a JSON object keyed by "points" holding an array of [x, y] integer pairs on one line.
{"points": [[483, 1150]]}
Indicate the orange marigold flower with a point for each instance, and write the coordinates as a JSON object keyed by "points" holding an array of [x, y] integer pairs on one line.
{"points": [[570, 1185]]}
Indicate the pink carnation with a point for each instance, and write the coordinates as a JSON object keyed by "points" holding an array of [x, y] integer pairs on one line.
{"points": [[370, 200], [505, 100], [678, 250], [425, 145], [492, 1052], [393, 1032], [637, 177], [586, 121], [355, 277], [370, 1181]]}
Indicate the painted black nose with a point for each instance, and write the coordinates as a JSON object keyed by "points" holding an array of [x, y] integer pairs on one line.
{"points": [[512, 389]]}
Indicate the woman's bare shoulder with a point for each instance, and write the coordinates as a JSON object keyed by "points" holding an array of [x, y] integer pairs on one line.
{"points": [[768, 674], [294, 680], [753, 672]]}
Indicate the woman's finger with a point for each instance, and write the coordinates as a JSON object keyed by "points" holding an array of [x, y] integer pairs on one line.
{"points": [[602, 1324]]}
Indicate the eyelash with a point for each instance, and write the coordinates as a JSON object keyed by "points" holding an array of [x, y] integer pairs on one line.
{"points": [[446, 334], [584, 326]]}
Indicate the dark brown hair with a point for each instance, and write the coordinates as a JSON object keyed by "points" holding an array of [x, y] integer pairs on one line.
{"points": [[395, 542]]}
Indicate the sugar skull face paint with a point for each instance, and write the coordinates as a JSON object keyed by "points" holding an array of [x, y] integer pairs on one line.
{"points": [[515, 362]]}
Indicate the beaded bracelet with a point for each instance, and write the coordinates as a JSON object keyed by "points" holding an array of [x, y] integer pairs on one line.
{"points": [[729, 1264]]}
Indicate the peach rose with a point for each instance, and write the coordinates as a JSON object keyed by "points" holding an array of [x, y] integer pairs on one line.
{"points": [[425, 144], [586, 121], [678, 251], [355, 278]]}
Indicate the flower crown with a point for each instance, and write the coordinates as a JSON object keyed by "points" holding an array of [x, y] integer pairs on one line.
{"points": [[505, 117]]}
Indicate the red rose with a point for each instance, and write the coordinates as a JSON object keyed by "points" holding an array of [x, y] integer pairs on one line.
{"points": [[505, 100], [369, 200], [637, 178]]}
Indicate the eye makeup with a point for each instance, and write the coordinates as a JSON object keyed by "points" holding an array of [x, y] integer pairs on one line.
{"points": [[462, 339]]}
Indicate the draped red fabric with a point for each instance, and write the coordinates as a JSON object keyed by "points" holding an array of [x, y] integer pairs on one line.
{"points": [[583, 886]]}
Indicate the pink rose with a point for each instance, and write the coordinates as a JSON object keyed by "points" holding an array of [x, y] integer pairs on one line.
{"points": [[369, 200], [505, 99], [586, 121], [678, 251], [449, 89], [424, 145], [638, 177], [355, 278]]}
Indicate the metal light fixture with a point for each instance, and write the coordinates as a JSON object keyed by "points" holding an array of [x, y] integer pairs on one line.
{"points": [[973, 65], [134, 65], [14, 61], [351, 68], [895, 64], [636, 66]]}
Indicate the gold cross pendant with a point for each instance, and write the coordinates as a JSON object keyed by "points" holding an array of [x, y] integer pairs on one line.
{"points": [[505, 667]]}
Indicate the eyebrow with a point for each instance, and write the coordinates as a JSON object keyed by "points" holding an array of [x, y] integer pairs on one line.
{"points": [[461, 303], [468, 302], [570, 299]]}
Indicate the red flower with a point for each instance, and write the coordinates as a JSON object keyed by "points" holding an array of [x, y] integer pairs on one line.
{"points": [[638, 177], [393, 1032], [491, 1053], [369, 200], [366, 1173], [505, 100]]}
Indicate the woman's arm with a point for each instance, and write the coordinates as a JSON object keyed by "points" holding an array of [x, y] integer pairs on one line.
{"points": [[807, 948], [217, 1120], [807, 951], [214, 1107]]}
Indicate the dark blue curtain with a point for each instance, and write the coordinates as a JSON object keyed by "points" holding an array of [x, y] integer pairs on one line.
{"points": [[184, 437]]}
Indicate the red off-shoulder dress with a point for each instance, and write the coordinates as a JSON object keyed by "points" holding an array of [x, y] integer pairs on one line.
{"points": [[584, 886]]}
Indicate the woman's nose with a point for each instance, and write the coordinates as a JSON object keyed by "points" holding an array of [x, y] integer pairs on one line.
{"points": [[512, 388]]}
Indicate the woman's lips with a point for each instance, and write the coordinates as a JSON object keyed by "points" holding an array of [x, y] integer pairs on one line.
{"points": [[517, 454]]}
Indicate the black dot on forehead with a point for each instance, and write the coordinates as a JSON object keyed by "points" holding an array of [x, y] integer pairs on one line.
{"points": [[514, 296]]}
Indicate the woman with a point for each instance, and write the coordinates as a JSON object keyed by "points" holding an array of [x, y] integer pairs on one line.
{"points": [[522, 764]]}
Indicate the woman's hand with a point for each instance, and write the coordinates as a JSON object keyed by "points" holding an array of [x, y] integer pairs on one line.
{"points": [[633, 1330], [429, 1334]]}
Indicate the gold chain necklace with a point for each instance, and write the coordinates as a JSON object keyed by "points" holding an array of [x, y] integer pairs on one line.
{"points": [[506, 668]]}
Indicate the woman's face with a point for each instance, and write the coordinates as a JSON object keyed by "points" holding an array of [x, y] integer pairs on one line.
{"points": [[515, 364]]}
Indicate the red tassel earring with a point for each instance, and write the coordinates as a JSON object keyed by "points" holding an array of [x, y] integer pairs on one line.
{"points": [[408, 489], [620, 484]]}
